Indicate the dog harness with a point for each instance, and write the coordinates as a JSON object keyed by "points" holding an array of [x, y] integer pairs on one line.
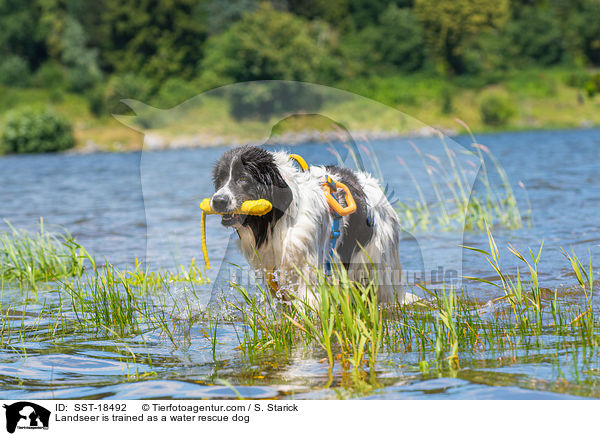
{"points": [[262, 207], [330, 187]]}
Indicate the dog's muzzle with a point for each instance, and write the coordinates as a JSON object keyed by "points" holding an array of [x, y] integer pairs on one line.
{"points": [[232, 220], [221, 203]]}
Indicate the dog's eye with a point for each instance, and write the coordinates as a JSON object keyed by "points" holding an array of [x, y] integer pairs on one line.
{"points": [[243, 180]]}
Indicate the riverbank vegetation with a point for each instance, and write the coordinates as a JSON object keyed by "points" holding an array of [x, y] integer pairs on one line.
{"points": [[348, 331], [495, 65]]}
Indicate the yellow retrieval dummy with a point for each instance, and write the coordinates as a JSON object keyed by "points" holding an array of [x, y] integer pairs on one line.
{"points": [[251, 207]]}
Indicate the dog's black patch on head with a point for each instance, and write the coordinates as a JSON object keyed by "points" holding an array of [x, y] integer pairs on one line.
{"points": [[358, 230], [270, 185], [252, 173]]}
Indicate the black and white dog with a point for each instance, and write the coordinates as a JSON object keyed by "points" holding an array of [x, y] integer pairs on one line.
{"points": [[295, 235]]}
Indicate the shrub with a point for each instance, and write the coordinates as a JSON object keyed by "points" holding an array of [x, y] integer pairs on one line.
{"points": [[592, 86], [496, 109], [577, 79], [590, 83], [14, 71], [36, 131], [50, 75]]}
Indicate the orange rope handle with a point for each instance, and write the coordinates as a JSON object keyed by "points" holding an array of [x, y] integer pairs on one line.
{"points": [[333, 203]]}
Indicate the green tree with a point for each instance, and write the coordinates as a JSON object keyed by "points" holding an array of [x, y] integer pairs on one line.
{"points": [[394, 43], [224, 14], [154, 38], [82, 62], [535, 37], [486, 55], [126, 85], [364, 13], [268, 44], [451, 25], [20, 32], [584, 29], [67, 45], [335, 12], [90, 15]]}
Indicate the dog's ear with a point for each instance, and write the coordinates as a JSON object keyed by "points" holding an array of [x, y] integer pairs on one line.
{"points": [[260, 163]]}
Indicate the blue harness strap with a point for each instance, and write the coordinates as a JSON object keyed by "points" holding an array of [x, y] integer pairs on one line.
{"points": [[335, 234], [335, 227]]}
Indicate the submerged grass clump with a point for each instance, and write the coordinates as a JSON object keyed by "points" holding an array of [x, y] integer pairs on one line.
{"points": [[127, 302], [85, 296], [29, 259]]}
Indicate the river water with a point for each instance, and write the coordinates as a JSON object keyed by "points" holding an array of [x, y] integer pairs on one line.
{"points": [[145, 205]]}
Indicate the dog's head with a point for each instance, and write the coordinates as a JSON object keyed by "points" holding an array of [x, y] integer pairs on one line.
{"points": [[248, 173]]}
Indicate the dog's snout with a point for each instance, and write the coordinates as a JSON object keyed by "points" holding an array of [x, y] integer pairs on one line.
{"points": [[220, 202]]}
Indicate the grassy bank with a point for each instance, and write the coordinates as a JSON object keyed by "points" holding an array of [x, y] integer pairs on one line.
{"points": [[532, 99]]}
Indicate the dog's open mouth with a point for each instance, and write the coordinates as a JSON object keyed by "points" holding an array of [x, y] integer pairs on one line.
{"points": [[231, 220]]}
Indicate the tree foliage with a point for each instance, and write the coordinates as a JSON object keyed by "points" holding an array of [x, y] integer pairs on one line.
{"points": [[167, 50], [394, 43], [81, 61], [20, 32], [267, 44], [536, 37], [450, 25], [224, 14], [583, 30], [154, 38]]}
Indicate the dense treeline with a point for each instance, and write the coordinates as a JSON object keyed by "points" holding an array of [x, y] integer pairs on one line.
{"points": [[167, 50]]}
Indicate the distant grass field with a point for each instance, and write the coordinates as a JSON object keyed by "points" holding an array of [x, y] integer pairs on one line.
{"points": [[537, 99]]}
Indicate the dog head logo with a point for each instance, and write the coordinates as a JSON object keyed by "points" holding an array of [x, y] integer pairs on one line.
{"points": [[26, 415]]}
